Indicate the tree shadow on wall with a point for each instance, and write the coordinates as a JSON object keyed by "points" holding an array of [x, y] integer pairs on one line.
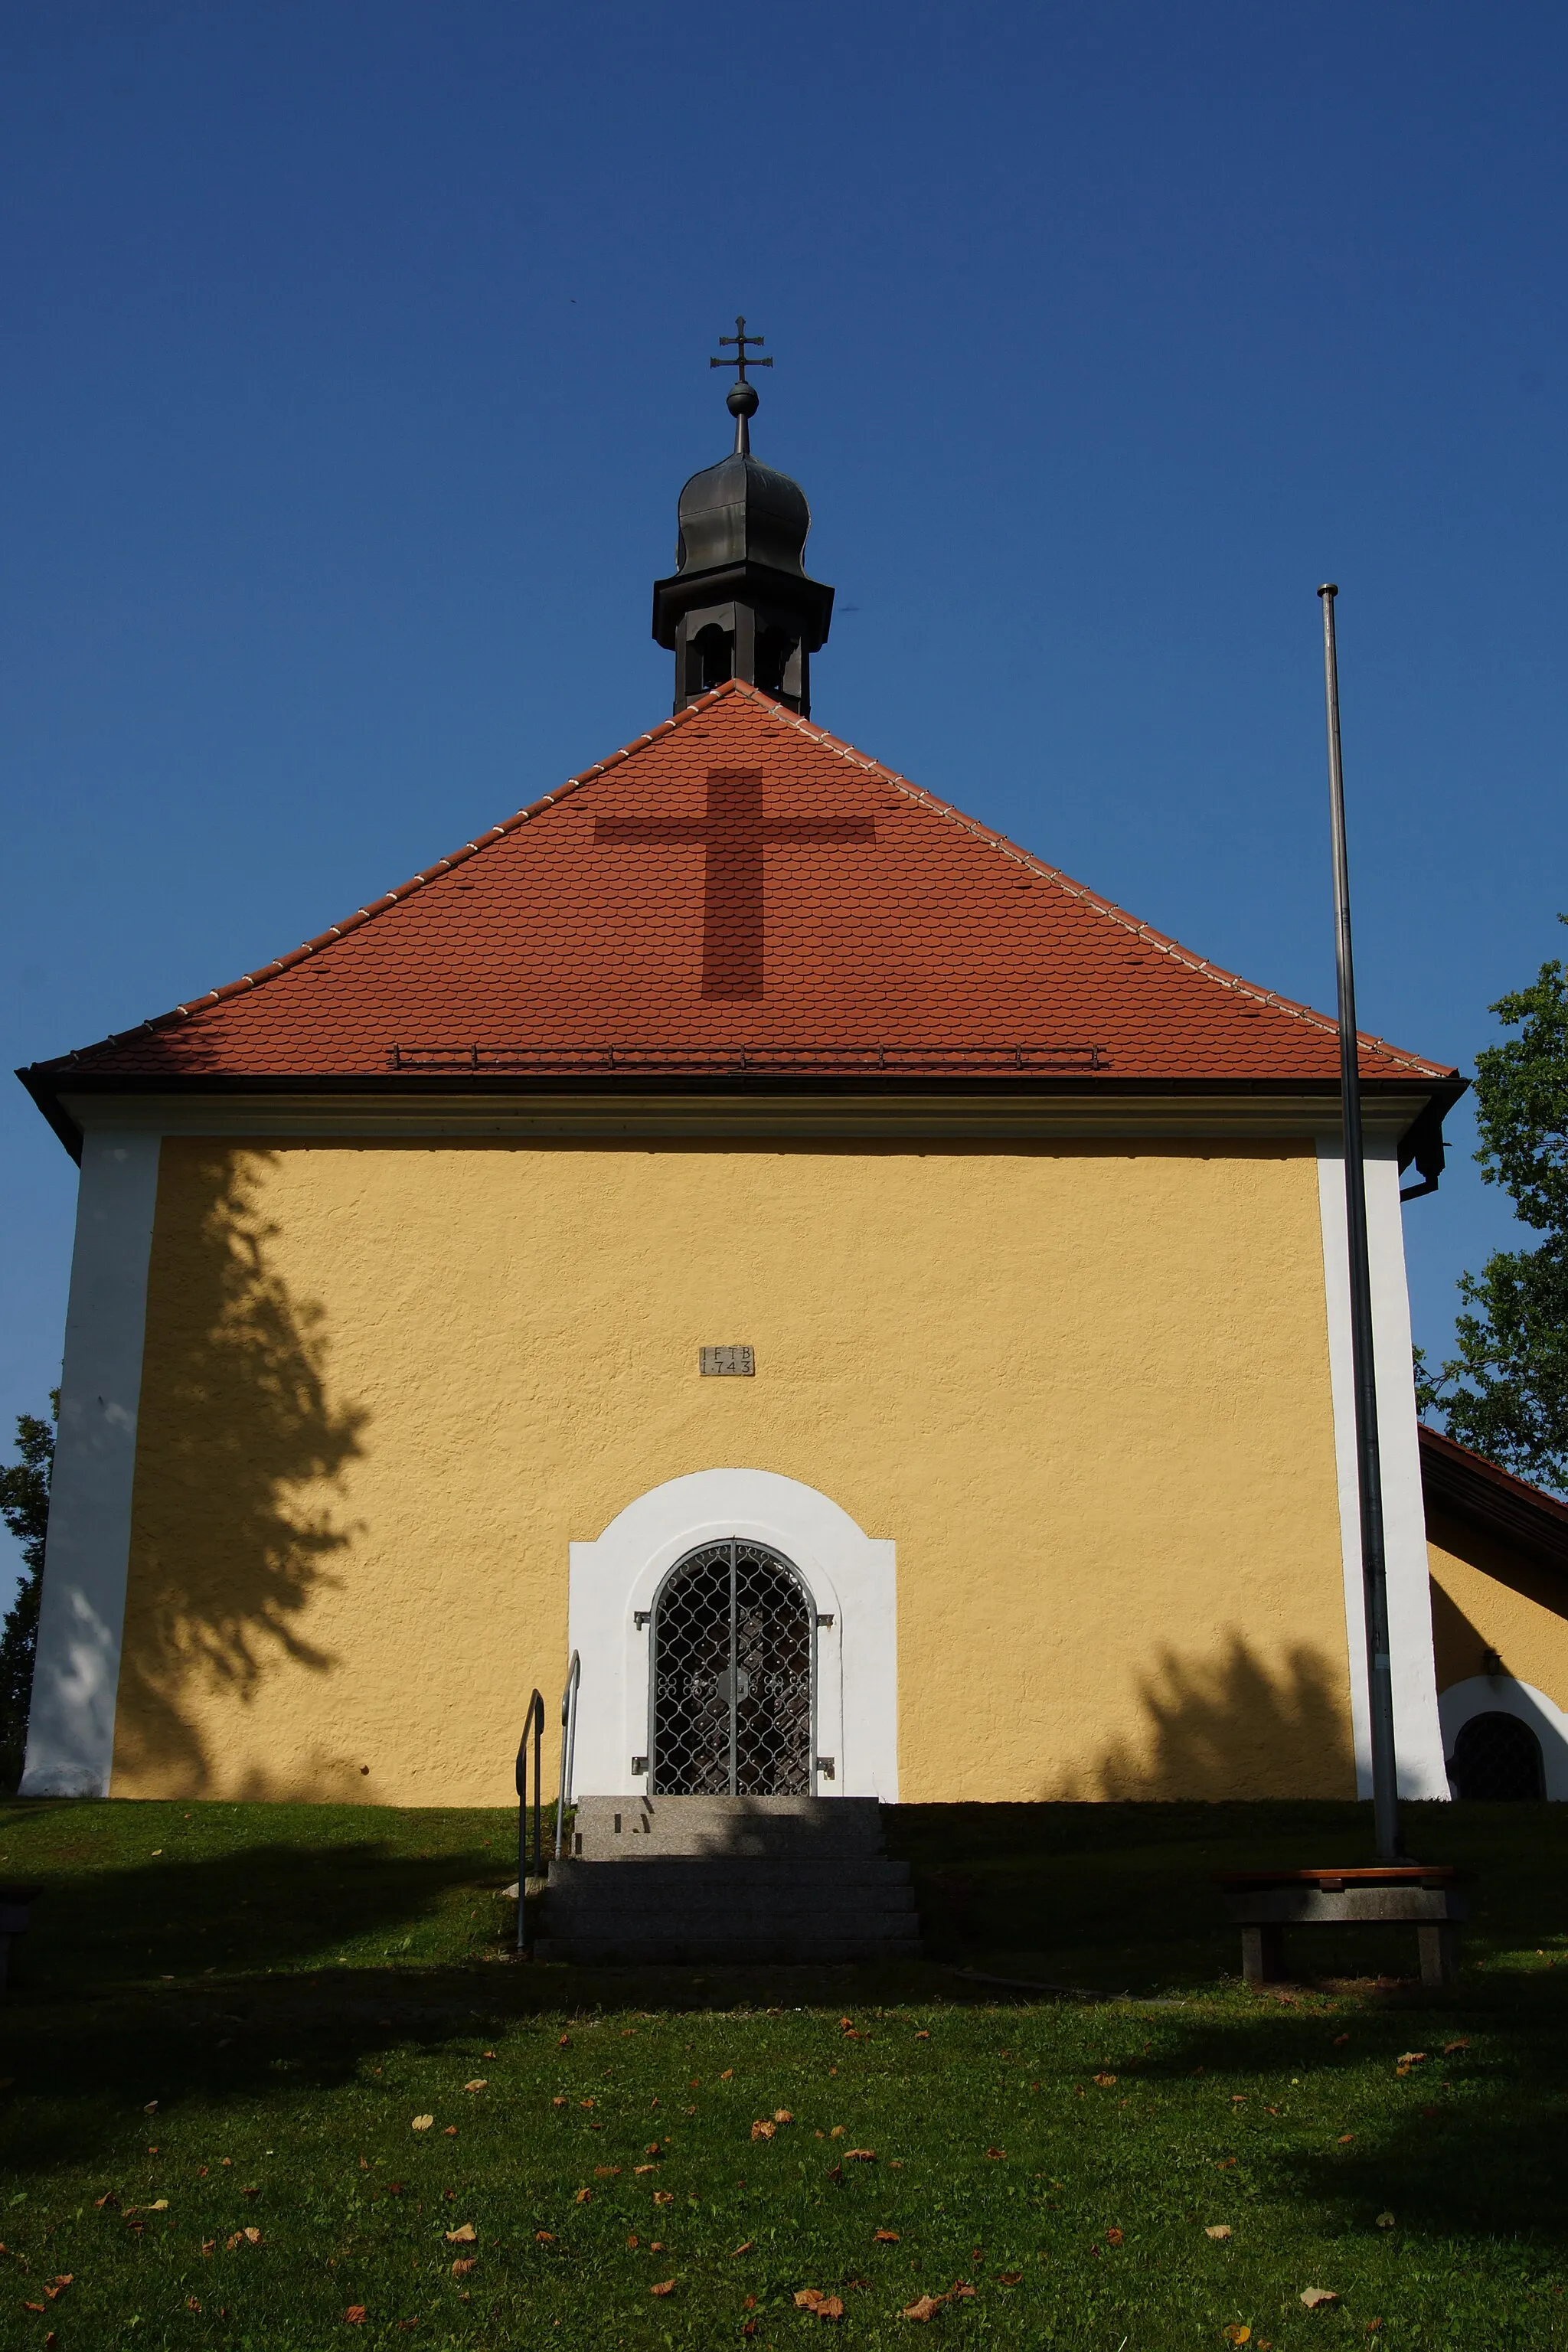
{"points": [[242, 1456], [1232, 1724]]}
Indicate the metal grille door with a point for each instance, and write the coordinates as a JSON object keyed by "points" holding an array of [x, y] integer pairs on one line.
{"points": [[732, 1637]]}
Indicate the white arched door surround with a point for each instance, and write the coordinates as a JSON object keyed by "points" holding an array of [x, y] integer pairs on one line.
{"points": [[1500, 1695], [850, 1578]]}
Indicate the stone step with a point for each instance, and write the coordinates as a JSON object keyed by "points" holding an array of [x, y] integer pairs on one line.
{"points": [[579, 1908], [792, 1876], [680, 1948], [636, 1829], [556, 1918]]}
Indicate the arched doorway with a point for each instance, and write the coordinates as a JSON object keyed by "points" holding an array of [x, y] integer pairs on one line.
{"points": [[731, 1686], [1498, 1757]]}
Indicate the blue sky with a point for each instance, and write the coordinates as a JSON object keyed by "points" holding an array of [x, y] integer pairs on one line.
{"points": [[357, 351]]}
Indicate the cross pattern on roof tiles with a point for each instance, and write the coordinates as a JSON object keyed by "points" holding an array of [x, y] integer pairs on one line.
{"points": [[841, 911], [733, 833]]}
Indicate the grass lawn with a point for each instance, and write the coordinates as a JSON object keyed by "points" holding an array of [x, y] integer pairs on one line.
{"points": [[229, 2021]]}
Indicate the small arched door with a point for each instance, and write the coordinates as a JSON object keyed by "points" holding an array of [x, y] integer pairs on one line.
{"points": [[1498, 1757], [733, 1639]]}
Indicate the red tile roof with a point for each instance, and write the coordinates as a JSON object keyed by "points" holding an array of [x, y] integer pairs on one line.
{"points": [[735, 882], [1457, 1480]]}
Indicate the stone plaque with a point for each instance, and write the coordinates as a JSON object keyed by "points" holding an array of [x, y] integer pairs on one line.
{"points": [[732, 1360]]}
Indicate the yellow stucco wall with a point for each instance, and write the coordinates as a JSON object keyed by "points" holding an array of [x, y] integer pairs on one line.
{"points": [[1086, 1390], [1488, 1595]]}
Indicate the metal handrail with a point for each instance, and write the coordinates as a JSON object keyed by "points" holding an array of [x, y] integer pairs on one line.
{"points": [[568, 1751], [533, 1720]]}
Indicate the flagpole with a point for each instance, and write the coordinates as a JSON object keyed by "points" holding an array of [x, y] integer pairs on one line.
{"points": [[1369, 1464]]}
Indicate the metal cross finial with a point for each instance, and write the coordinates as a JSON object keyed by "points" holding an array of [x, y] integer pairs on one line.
{"points": [[742, 397], [741, 339]]}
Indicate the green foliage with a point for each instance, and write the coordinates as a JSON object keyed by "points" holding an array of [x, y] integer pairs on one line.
{"points": [[24, 1508], [1064, 2159], [1505, 1392]]}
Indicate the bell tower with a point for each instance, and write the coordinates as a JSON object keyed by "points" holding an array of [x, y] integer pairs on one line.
{"points": [[739, 604]]}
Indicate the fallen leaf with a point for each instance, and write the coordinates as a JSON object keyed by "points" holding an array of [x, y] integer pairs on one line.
{"points": [[564, 2042], [108, 2198], [807, 2298], [859, 2156], [584, 2102], [1344, 2139], [1372, 2326], [830, 2308], [1413, 2058], [926, 2308], [583, 2197], [463, 2235], [1448, 2050], [652, 2148], [252, 2236], [1317, 2297], [354, 2315], [451, 2132], [1386, 2221], [547, 2237], [151, 2108], [922, 2035], [1217, 2228], [744, 2248], [1010, 2278], [633, 2242], [763, 2129], [645, 2168], [207, 2245], [554, 2102], [998, 2155], [1226, 2164], [1237, 2333], [191, 2303], [159, 2205], [655, 2245], [783, 2115], [748, 2327], [460, 2268], [1105, 2081], [480, 2085], [1114, 2237], [422, 2123], [605, 2172], [838, 2131], [664, 2196], [885, 2237], [727, 2075], [1339, 2040], [665, 2286]]}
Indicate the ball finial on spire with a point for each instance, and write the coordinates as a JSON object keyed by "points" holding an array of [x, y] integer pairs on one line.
{"points": [[741, 400]]}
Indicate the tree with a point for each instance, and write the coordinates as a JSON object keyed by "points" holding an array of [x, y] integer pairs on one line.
{"points": [[1506, 1392], [24, 1506]]}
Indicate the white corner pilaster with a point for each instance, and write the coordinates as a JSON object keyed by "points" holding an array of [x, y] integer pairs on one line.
{"points": [[70, 1731], [1418, 1733]]}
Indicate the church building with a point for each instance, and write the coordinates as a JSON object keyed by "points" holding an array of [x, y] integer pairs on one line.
{"points": [[744, 1222]]}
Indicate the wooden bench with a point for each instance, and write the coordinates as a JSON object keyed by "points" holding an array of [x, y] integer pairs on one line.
{"points": [[13, 1902], [1264, 1903]]}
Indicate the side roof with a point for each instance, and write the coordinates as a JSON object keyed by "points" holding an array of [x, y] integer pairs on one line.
{"points": [[737, 889], [1467, 1485]]}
